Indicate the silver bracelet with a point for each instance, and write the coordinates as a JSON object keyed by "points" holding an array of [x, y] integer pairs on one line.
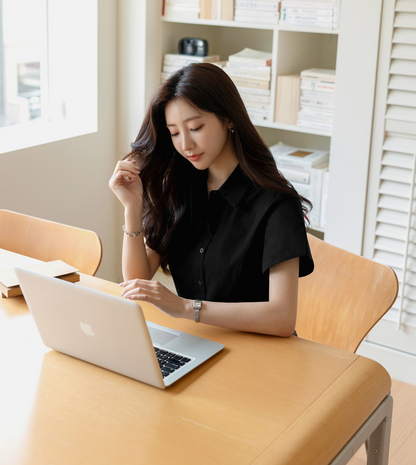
{"points": [[132, 234]]}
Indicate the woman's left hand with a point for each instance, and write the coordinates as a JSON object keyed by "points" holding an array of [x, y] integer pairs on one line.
{"points": [[156, 294]]}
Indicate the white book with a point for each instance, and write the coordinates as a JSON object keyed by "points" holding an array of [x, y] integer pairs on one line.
{"points": [[313, 111], [314, 124], [257, 19], [327, 75], [306, 17], [248, 73], [295, 175], [257, 5], [287, 156], [249, 97], [257, 111], [302, 189], [236, 64], [257, 105], [317, 95], [308, 11], [317, 86], [252, 83], [313, 192], [258, 13], [170, 69], [178, 58], [252, 57], [316, 103], [253, 91], [255, 117], [176, 64]]}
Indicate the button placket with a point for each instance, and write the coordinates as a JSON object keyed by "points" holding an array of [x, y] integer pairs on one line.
{"points": [[205, 240]]}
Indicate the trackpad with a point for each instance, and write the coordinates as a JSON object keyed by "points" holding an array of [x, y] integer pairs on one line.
{"points": [[161, 337]]}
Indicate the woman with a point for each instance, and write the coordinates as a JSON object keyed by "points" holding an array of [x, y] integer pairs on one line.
{"points": [[202, 196]]}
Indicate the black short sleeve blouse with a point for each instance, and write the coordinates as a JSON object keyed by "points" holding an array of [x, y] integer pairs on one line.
{"points": [[227, 242]]}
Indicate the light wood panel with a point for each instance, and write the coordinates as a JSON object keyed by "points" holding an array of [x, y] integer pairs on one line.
{"points": [[261, 394], [47, 241], [344, 297]]}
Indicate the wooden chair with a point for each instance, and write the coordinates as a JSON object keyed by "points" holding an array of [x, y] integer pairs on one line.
{"points": [[47, 241], [344, 297]]}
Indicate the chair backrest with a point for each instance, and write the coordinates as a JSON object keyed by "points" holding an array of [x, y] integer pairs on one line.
{"points": [[47, 241], [344, 297]]}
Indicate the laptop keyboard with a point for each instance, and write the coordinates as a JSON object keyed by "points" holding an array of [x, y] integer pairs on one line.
{"points": [[169, 362]]}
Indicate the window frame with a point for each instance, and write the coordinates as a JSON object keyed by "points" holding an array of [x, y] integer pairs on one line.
{"points": [[69, 78]]}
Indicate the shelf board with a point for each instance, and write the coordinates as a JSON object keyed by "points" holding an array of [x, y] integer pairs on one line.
{"points": [[215, 22], [290, 127], [316, 30], [248, 25]]}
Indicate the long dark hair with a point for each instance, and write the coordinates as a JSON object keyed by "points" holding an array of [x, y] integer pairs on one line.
{"points": [[167, 176]]}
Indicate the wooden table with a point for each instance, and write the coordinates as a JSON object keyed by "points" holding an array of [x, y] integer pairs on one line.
{"points": [[262, 400]]}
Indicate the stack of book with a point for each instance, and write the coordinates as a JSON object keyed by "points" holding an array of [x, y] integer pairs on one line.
{"points": [[184, 9], [317, 95], [9, 284], [174, 61], [307, 171], [199, 9], [250, 71], [265, 11], [313, 13]]}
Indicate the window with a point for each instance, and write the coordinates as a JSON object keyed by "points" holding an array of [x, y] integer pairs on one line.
{"points": [[22, 50], [48, 71]]}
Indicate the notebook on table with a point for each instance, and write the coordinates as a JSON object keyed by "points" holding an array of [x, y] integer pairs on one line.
{"points": [[110, 332]]}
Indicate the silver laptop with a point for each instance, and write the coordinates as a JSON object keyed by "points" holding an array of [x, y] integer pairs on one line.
{"points": [[110, 332]]}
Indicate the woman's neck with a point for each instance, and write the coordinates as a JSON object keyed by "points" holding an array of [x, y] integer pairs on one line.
{"points": [[219, 171], [216, 178]]}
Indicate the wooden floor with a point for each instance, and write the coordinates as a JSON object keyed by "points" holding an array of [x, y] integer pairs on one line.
{"points": [[403, 430]]}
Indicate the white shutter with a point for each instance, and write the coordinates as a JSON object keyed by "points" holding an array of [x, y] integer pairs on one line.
{"points": [[395, 230]]}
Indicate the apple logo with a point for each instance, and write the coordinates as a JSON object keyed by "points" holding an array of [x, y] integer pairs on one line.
{"points": [[86, 328]]}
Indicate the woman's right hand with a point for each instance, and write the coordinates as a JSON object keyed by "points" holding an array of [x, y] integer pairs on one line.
{"points": [[126, 183]]}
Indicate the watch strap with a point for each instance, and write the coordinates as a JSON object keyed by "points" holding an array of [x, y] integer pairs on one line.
{"points": [[197, 307]]}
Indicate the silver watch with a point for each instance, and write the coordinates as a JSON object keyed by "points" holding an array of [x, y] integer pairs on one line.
{"points": [[197, 307]]}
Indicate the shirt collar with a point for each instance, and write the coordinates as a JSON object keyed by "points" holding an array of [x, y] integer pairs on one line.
{"points": [[234, 187]]}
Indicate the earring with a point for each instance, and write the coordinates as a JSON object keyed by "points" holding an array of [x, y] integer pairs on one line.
{"points": [[231, 129]]}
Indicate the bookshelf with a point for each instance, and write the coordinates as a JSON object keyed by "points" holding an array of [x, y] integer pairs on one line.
{"points": [[227, 37], [351, 50]]}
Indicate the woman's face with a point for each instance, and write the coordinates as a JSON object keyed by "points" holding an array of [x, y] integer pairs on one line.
{"points": [[199, 136]]}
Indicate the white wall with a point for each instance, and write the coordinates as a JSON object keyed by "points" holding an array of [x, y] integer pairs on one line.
{"points": [[67, 181]]}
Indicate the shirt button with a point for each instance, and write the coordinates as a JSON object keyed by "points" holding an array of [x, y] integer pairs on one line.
{"points": [[201, 250], [199, 283]]}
